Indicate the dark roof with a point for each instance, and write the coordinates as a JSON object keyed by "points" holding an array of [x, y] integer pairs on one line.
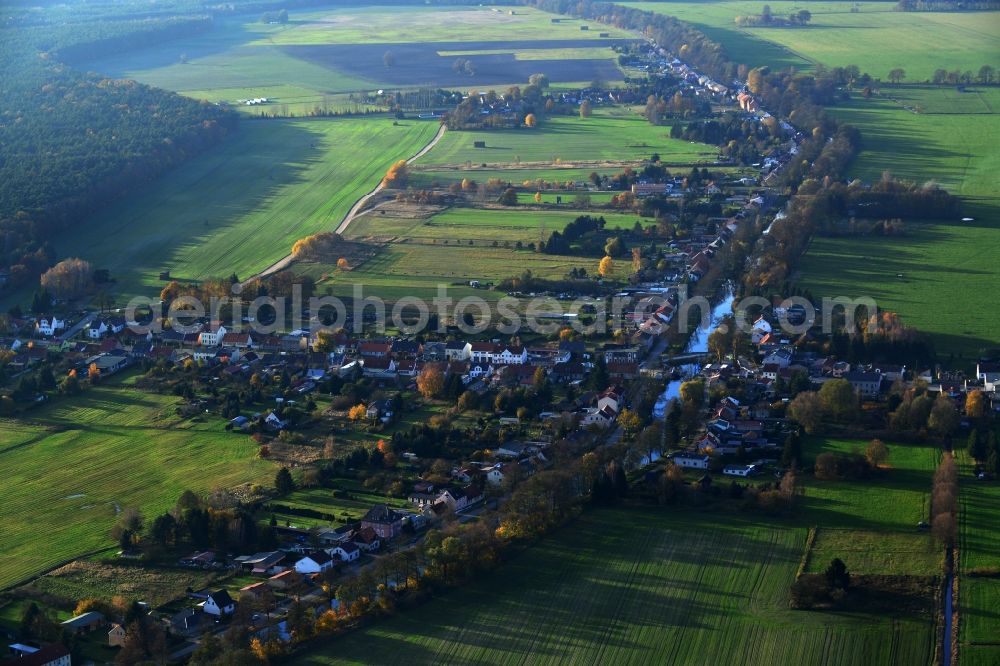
{"points": [[320, 557], [43, 656], [221, 598], [382, 514]]}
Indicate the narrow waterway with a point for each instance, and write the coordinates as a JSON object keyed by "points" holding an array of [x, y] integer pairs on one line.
{"points": [[696, 344]]}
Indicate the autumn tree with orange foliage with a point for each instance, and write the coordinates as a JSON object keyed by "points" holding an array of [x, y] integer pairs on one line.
{"points": [[397, 175], [607, 267], [343, 265], [430, 382], [530, 120], [316, 246], [357, 412]]}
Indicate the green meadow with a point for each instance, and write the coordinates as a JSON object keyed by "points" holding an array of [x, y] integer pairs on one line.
{"points": [[459, 224], [411, 269], [978, 548], [617, 134], [240, 207], [71, 466], [944, 263], [875, 37]]}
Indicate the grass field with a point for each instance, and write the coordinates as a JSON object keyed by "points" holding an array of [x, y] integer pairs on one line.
{"points": [[944, 263], [417, 270], [300, 64], [322, 499], [896, 500], [483, 224], [83, 459], [242, 206], [978, 547], [610, 134], [875, 38], [871, 552], [639, 587]]}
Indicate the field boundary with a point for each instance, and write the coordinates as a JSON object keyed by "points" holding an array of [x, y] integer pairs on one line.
{"points": [[807, 552]]}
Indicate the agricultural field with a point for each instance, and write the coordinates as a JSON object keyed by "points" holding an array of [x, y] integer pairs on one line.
{"points": [[639, 586], [241, 207], [319, 53], [611, 134], [875, 37], [83, 459], [482, 225]]}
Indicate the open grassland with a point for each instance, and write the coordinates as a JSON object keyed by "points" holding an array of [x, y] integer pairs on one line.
{"points": [[610, 134], [925, 133], [944, 264], [524, 177], [402, 269], [874, 552], [978, 548], [321, 52], [875, 38], [639, 586], [944, 267], [896, 499], [156, 586], [242, 206], [482, 224], [110, 448], [323, 500]]}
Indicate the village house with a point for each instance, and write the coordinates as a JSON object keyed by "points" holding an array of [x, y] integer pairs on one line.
{"points": [[49, 326], [285, 580], [346, 552], [739, 470], [116, 635], [369, 350], [387, 522], [367, 540], [254, 591], [212, 336], [379, 367], [868, 384], [458, 350], [315, 562], [691, 461], [219, 604], [482, 352]]}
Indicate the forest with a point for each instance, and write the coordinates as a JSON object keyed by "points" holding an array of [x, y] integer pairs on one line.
{"points": [[73, 141]]}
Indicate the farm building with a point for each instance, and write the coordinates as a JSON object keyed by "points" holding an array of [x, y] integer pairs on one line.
{"points": [[691, 461]]}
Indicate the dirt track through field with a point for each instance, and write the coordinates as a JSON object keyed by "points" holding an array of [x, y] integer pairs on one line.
{"points": [[286, 261]]}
